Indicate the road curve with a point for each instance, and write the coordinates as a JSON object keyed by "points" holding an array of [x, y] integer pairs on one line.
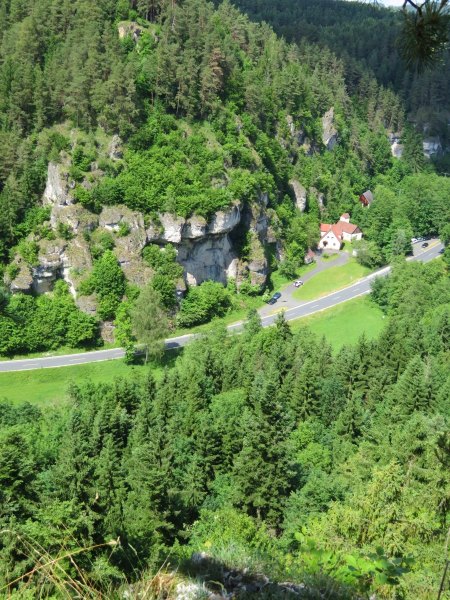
{"points": [[303, 309]]}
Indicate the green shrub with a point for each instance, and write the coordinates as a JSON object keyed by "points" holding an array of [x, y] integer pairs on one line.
{"points": [[29, 251], [124, 229], [64, 231], [202, 303], [12, 270]]}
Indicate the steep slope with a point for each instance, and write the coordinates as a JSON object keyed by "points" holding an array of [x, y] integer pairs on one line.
{"points": [[136, 128], [365, 36]]}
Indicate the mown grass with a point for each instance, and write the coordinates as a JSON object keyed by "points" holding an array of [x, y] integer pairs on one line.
{"points": [[346, 322], [331, 280], [49, 386]]}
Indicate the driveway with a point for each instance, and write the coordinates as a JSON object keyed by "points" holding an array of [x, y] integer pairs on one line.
{"points": [[287, 301]]}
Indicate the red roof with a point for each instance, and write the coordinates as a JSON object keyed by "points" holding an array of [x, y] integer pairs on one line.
{"points": [[345, 227], [339, 228], [326, 228]]}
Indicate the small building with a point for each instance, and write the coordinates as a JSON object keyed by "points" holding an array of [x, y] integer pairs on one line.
{"points": [[332, 236], [310, 257], [366, 199]]}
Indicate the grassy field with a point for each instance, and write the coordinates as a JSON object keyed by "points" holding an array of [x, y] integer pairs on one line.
{"points": [[331, 280], [346, 322], [49, 386]]}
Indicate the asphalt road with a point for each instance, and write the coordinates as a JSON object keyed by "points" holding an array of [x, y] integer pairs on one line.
{"points": [[303, 309]]}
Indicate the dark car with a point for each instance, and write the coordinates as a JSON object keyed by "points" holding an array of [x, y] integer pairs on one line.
{"points": [[441, 251], [425, 245], [271, 301], [276, 296]]}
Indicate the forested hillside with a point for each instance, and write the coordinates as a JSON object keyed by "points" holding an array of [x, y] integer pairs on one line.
{"points": [[129, 128], [366, 37]]}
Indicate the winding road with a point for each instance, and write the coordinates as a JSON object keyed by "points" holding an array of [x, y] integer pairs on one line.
{"points": [[302, 309]]}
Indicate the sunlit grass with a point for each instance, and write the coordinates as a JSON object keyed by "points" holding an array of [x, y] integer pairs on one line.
{"points": [[346, 322]]}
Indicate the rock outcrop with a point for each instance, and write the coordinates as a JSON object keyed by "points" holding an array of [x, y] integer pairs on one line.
{"points": [[432, 146], [23, 281], [329, 131], [206, 248], [58, 187], [299, 193], [129, 28]]}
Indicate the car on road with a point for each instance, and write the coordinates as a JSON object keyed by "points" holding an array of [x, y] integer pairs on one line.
{"points": [[425, 245], [276, 296], [298, 283], [441, 251], [271, 300]]}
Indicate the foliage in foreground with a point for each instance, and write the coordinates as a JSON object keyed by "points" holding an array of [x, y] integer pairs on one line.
{"points": [[261, 450]]}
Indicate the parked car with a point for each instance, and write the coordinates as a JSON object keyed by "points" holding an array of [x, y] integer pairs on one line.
{"points": [[298, 283], [276, 296], [441, 251], [271, 300], [425, 245], [414, 240]]}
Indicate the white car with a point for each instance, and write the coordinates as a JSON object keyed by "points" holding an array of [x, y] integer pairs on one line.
{"points": [[298, 283]]}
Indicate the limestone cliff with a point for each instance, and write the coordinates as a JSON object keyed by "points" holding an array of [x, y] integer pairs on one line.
{"points": [[207, 249]]}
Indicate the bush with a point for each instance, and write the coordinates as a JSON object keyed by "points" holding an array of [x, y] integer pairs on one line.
{"points": [[29, 252], [208, 300], [166, 289]]}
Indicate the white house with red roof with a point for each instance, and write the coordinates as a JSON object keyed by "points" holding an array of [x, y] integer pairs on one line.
{"points": [[332, 236]]}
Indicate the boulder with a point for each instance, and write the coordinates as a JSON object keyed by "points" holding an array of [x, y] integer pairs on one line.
{"points": [[397, 149], [107, 332], [87, 304], [112, 217], [130, 28], [329, 131], [299, 193], [136, 271]]}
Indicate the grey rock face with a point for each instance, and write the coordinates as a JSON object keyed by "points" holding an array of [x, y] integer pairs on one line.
{"points": [[57, 189], [50, 265], [299, 193], [432, 146], [23, 282], [115, 150], [329, 131], [78, 218], [205, 248], [210, 258]]}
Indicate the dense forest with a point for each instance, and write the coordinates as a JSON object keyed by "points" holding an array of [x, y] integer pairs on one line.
{"points": [[311, 465], [366, 37]]}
